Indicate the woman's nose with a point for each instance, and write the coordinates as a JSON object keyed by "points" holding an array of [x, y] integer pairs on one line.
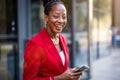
{"points": [[61, 19]]}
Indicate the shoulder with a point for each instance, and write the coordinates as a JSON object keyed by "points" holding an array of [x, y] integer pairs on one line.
{"points": [[38, 38], [34, 45]]}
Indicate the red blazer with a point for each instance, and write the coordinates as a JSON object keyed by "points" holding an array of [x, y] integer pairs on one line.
{"points": [[41, 58]]}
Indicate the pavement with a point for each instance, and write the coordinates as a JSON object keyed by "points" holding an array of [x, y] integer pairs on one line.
{"points": [[107, 68]]}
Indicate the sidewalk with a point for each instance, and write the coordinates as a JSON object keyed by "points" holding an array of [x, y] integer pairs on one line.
{"points": [[107, 68]]}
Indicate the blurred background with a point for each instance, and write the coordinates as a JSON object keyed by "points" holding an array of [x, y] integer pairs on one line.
{"points": [[92, 33]]}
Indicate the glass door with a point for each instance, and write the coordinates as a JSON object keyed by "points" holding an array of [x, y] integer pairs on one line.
{"points": [[8, 40]]}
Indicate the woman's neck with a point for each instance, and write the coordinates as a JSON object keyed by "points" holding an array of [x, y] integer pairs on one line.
{"points": [[54, 37], [52, 34]]}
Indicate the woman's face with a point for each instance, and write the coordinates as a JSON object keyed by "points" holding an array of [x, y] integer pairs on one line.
{"points": [[57, 18]]}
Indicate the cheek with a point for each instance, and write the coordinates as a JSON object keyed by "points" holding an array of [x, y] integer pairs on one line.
{"points": [[52, 20], [65, 22]]}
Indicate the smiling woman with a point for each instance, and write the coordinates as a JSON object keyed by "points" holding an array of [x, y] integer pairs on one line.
{"points": [[46, 55]]}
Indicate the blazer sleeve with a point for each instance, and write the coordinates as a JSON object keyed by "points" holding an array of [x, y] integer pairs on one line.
{"points": [[32, 62]]}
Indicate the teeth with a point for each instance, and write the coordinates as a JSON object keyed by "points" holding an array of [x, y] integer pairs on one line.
{"points": [[59, 25]]}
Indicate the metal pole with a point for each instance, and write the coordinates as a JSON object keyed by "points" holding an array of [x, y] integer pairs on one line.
{"points": [[73, 51], [90, 16], [0, 52], [98, 54]]}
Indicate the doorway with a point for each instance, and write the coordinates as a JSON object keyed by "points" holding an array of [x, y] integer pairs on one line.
{"points": [[8, 40]]}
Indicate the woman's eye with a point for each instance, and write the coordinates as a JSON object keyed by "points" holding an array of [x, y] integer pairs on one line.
{"points": [[55, 17], [64, 17]]}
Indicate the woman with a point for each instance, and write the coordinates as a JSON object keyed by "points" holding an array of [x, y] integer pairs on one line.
{"points": [[46, 56]]}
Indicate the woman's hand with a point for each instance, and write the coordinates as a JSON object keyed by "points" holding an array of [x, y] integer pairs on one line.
{"points": [[69, 74]]}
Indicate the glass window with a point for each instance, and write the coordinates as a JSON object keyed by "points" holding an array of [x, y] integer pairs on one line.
{"points": [[8, 61], [37, 16], [8, 40], [102, 21], [81, 31], [8, 19]]}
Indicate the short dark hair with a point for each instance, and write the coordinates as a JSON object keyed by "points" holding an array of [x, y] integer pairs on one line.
{"points": [[48, 4]]}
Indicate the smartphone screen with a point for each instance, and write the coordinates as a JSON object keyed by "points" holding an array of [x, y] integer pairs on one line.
{"points": [[82, 68]]}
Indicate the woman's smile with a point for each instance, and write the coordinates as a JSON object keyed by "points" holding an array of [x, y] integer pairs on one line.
{"points": [[58, 27]]}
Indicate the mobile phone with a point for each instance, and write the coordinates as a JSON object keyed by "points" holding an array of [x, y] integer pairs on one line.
{"points": [[82, 68]]}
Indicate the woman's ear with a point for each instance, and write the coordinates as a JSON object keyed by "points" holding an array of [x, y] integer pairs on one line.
{"points": [[46, 18]]}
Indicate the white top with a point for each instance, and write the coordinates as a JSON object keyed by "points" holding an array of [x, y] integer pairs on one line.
{"points": [[62, 57]]}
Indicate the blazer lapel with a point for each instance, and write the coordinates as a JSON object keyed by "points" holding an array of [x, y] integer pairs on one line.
{"points": [[63, 45], [50, 46]]}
